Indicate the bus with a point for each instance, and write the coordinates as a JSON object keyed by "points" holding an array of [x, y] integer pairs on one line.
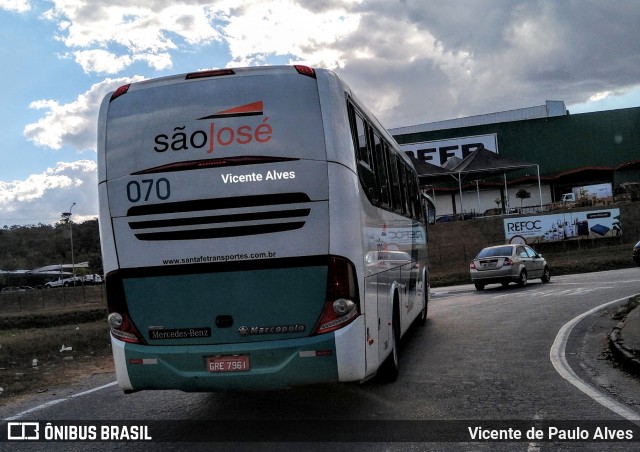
{"points": [[259, 228]]}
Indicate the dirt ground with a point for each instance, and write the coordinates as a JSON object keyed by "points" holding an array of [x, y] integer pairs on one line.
{"points": [[20, 379], [51, 377], [36, 357]]}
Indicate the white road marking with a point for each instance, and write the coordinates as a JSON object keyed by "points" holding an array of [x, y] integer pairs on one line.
{"points": [[556, 292], [558, 359], [55, 402], [532, 446]]}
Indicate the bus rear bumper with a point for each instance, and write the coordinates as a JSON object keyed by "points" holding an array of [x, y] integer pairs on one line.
{"points": [[273, 364]]}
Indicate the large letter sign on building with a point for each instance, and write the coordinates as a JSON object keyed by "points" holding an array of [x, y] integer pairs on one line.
{"points": [[438, 152], [563, 226]]}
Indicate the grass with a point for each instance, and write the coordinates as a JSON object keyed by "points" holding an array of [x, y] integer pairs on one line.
{"points": [[31, 359]]}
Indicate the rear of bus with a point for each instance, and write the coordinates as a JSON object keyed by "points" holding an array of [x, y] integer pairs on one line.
{"points": [[214, 218]]}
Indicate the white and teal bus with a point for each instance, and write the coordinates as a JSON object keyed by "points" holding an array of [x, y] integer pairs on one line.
{"points": [[259, 229]]}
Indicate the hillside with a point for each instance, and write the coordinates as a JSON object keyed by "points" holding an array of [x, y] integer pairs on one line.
{"points": [[33, 246]]}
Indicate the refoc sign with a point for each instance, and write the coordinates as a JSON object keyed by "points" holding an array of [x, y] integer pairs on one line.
{"points": [[438, 152]]}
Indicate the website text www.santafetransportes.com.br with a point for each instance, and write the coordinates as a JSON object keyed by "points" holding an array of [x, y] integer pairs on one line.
{"points": [[221, 258]]}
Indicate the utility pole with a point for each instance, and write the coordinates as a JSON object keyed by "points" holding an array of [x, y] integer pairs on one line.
{"points": [[67, 216]]}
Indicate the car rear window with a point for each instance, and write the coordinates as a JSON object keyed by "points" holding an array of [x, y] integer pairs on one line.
{"points": [[494, 252]]}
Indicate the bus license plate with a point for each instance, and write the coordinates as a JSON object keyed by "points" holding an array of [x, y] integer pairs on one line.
{"points": [[237, 363]]}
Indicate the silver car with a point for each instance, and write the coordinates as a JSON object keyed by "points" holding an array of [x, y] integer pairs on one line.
{"points": [[508, 263]]}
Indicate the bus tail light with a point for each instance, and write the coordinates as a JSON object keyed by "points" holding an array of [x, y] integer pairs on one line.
{"points": [[305, 70], [122, 327], [211, 73], [119, 92], [342, 303]]}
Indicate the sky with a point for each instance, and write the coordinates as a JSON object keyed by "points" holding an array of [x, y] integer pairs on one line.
{"points": [[410, 61]]}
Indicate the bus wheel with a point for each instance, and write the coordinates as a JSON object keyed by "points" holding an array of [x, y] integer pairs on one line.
{"points": [[388, 372], [422, 318]]}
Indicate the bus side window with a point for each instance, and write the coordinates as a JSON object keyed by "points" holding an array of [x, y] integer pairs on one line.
{"points": [[381, 169], [363, 154], [396, 199], [409, 190], [413, 196], [421, 213], [386, 179], [361, 141], [402, 187]]}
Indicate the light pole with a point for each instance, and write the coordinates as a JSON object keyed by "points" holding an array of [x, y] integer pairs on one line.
{"points": [[477, 181], [67, 216]]}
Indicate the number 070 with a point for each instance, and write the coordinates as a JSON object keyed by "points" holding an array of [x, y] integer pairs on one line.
{"points": [[143, 190]]}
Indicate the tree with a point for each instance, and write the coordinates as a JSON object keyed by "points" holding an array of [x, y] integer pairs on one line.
{"points": [[522, 195], [33, 246]]}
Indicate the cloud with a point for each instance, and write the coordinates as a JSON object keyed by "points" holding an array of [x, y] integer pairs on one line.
{"points": [[411, 61], [402, 71], [416, 62], [107, 36], [144, 32], [41, 198], [73, 124], [287, 28], [17, 6]]}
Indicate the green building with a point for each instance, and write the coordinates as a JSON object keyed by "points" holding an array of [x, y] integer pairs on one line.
{"points": [[570, 151]]}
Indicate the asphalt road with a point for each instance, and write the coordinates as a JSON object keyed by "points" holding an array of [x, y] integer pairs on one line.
{"points": [[482, 356]]}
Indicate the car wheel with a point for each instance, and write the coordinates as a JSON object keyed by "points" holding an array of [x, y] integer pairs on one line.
{"points": [[479, 286], [522, 279], [546, 275]]}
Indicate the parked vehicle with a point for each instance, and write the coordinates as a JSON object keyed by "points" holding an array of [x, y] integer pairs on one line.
{"points": [[66, 282], [16, 289], [508, 263], [92, 279], [636, 253]]}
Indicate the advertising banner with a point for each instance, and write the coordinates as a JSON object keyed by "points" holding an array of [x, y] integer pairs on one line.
{"points": [[563, 226], [438, 152]]}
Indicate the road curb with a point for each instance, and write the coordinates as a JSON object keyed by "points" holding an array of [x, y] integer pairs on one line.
{"points": [[629, 358]]}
